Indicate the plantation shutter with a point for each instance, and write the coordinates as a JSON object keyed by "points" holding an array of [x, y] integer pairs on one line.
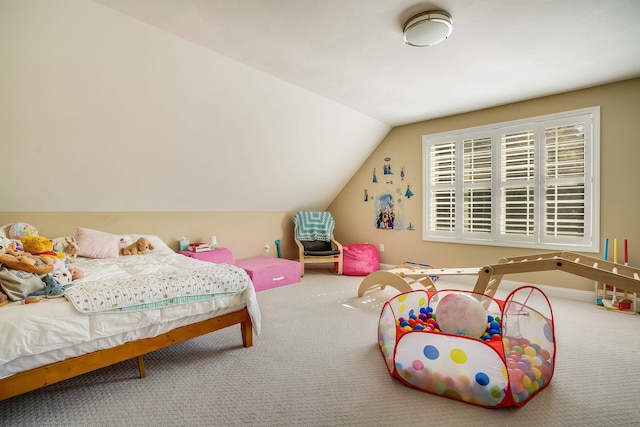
{"points": [[443, 187], [517, 167], [528, 183], [565, 181], [477, 190]]}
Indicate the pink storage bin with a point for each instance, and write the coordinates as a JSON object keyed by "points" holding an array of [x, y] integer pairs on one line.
{"points": [[360, 259], [269, 272]]}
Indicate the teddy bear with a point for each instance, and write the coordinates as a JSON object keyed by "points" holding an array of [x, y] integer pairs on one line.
{"points": [[40, 246], [138, 247]]}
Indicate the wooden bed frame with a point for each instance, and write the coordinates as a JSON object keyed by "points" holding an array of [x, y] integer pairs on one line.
{"points": [[59, 371]]}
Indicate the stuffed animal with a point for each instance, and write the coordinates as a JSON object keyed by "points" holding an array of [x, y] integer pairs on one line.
{"points": [[71, 248], [40, 246], [4, 245], [18, 260], [138, 247], [16, 230], [61, 273], [65, 274]]}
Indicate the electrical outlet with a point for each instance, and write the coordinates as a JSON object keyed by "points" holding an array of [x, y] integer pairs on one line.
{"points": [[267, 248], [381, 247]]}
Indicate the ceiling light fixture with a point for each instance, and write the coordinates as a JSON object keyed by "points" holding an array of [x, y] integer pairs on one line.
{"points": [[428, 28]]}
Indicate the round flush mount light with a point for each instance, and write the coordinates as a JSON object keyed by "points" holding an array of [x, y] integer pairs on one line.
{"points": [[428, 28]]}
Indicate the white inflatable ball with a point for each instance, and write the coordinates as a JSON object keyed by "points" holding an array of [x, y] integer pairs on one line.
{"points": [[461, 314]]}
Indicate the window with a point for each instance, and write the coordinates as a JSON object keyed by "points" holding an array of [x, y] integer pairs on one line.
{"points": [[531, 183]]}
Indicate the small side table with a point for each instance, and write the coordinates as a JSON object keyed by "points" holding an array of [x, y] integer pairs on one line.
{"points": [[217, 256]]}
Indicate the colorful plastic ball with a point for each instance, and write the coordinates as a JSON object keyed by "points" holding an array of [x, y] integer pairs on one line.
{"points": [[462, 314]]}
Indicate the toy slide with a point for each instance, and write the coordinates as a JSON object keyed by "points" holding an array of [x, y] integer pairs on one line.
{"points": [[402, 277]]}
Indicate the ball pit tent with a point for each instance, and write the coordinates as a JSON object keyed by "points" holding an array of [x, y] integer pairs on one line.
{"points": [[512, 362]]}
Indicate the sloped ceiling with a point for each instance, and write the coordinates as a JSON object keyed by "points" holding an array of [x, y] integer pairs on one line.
{"points": [[352, 52], [266, 105]]}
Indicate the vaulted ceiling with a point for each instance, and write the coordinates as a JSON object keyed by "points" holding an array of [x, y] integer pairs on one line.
{"points": [[352, 51], [271, 105]]}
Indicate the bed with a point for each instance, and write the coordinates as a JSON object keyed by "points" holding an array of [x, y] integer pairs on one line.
{"points": [[122, 308]]}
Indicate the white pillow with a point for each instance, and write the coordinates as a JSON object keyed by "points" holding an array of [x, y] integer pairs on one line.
{"points": [[97, 244]]}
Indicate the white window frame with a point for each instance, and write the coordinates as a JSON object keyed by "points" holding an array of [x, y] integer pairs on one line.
{"points": [[584, 237]]}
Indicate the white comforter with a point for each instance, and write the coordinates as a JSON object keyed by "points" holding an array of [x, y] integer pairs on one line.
{"points": [[54, 326]]}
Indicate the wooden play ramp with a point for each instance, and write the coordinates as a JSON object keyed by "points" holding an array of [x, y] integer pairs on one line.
{"points": [[620, 277]]}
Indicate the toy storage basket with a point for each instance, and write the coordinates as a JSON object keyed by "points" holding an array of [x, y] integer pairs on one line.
{"points": [[507, 368]]}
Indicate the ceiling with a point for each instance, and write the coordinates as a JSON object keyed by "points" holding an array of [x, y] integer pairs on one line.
{"points": [[352, 51]]}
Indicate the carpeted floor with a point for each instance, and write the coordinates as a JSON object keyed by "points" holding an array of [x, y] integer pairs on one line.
{"points": [[317, 363]]}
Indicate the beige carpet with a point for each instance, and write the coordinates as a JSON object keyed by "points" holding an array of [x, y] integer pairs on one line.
{"points": [[317, 363]]}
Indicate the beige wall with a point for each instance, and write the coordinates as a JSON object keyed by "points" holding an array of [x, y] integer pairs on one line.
{"points": [[122, 116], [620, 175], [245, 233]]}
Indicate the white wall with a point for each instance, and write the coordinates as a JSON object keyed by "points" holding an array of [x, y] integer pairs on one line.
{"points": [[100, 112]]}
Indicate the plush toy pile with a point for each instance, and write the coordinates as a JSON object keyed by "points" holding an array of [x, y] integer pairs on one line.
{"points": [[30, 266]]}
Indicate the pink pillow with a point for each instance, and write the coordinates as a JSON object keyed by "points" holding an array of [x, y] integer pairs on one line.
{"points": [[97, 244]]}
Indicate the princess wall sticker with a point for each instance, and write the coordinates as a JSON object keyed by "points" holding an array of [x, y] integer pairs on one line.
{"points": [[385, 216], [389, 212], [387, 166]]}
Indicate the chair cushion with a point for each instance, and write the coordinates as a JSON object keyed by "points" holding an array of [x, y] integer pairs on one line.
{"points": [[318, 248], [316, 245], [321, 253]]}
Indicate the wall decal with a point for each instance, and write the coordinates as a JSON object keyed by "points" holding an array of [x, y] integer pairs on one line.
{"points": [[390, 202], [408, 194], [387, 166], [385, 216]]}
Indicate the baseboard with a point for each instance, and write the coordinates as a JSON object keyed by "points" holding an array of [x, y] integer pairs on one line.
{"points": [[510, 285]]}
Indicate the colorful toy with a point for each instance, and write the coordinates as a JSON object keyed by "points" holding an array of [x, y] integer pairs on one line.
{"points": [[512, 362], [420, 265], [17, 230], [278, 242], [607, 294]]}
